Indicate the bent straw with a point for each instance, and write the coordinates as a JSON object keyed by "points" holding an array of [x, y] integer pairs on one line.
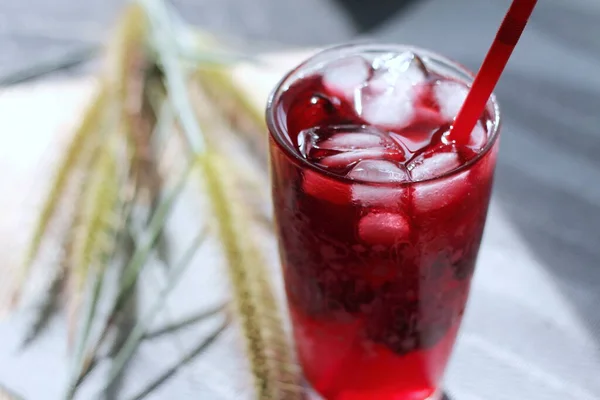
{"points": [[493, 65]]}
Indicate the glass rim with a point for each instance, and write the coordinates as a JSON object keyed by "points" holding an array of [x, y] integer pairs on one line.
{"points": [[279, 133]]}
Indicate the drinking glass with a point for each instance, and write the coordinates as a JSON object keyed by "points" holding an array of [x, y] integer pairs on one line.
{"points": [[377, 275]]}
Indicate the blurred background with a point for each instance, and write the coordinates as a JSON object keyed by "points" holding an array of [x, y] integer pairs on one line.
{"points": [[562, 31], [39, 29], [533, 328]]}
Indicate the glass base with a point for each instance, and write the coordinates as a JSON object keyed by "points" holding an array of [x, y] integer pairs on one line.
{"points": [[313, 395]]}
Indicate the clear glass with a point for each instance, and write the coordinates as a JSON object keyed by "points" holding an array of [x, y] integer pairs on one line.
{"points": [[376, 318]]}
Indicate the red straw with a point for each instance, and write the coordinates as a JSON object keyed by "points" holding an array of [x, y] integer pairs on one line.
{"points": [[506, 39]]}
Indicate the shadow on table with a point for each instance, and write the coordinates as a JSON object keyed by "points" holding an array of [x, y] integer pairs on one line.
{"points": [[368, 15], [559, 224]]}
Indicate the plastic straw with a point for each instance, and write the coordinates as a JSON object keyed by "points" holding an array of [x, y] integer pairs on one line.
{"points": [[493, 65]]}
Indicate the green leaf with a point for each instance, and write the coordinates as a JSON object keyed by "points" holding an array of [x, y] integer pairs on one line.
{"points": [[162, 35], [126, 320], [47, 308], [184, 323], [140, 329], [276, 375], [171, 371], [131, 273], [275, 372]]}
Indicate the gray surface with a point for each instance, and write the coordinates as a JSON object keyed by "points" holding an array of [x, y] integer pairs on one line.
{"points": [[532, 331]]}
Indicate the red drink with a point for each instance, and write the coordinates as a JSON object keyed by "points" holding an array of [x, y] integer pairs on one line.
{"points": [[379, 216]]}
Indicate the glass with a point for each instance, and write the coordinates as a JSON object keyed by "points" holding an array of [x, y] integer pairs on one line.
{"points": [[376, 289]]}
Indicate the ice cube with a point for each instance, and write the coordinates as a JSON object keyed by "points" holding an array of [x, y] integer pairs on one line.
{"points": [[306, 141], [430, 196], [343, 77], [477, 140], [377, 196], [350, 157], [385, 229], [427, 112], [391, 109], [322, 187], [388, 98], [322, 143], [450, 96], [378, 171], [478, 137], [347, 141], [404, 67], [433, 164]]}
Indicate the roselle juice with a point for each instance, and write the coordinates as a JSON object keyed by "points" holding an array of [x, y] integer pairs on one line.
{"points": [[379, 216]]}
